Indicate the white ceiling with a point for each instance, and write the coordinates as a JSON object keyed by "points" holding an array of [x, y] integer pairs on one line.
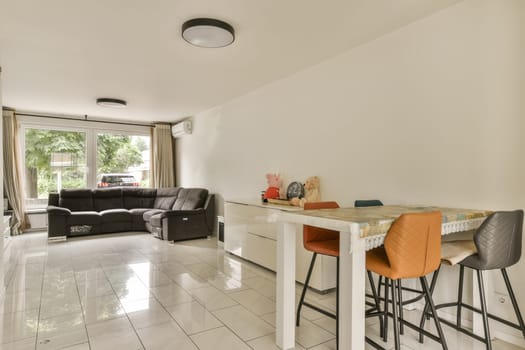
{"points": [[58, 56]]}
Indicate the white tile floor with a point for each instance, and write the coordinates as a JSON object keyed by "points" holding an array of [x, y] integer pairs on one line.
{"points": [[132, 291]]}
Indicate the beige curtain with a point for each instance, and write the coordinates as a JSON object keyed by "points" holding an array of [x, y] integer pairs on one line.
{"points": [[12, 179], [163, 164]]}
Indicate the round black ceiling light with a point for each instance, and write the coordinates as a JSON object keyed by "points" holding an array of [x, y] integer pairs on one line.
{"points": [[208, 32], [111, 102]]}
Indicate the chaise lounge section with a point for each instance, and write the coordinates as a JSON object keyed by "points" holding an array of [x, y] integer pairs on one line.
{"points": [[173, 213]]}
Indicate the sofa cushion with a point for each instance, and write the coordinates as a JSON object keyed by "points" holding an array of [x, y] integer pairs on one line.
{"points": [[147, 215], [190, 198], [116, 215], [166, 197], [138, 212], [108, 227], [110, 198], [136, 218], [138, 197], [85, 218], [76, 200]]}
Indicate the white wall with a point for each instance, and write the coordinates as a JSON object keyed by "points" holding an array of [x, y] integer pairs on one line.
{"points": [[430, 114]]}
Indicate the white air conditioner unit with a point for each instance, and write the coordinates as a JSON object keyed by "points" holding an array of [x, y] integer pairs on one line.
{"points": [[181, 129]]}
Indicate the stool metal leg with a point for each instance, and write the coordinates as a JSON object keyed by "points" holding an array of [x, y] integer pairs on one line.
{"points": [[400, 299], [394, 316], [484, 310], [430, 302], [306, 282], [375, 295], [426, 315], [385, 316], [337, 307], [514, 302], [460, 295]]}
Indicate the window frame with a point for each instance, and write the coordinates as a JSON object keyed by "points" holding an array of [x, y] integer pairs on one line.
{"points": [[118, 132], [91, 129]]}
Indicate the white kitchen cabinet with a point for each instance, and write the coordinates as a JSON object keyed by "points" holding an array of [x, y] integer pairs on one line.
{"points": [[249, 235]]}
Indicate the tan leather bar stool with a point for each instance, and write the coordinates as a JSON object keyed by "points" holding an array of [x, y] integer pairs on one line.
{"points": [[319, 241], [497, 245], [412, 249], [325, 242]]}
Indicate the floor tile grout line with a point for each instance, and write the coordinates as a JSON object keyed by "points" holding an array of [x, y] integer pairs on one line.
{"points": [[82, 310], [250, 313], [41, 295], [203, 306], [123, 309], [171, 316], [157, 300], [222, 323], [40, 305], [259, 317]]}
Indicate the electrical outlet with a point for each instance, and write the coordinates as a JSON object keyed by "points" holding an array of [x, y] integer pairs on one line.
{"points": [[501, 298]]}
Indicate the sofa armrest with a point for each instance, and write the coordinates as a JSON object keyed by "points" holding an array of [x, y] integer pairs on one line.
{"points": [[184, 224], [57, 221], [178, 213], [54, 210]]}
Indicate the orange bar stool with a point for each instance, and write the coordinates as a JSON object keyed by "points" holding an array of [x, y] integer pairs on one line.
{"points": [[412, 249], [325, 242], [497, 245], [319, 241]]}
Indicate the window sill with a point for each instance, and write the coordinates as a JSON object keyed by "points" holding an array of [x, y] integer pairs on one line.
{"points": [[36, 211]]}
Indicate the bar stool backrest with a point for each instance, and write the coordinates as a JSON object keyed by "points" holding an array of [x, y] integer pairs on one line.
{"points": [[498, 241], [413, 244], [359, 203], [313, 234]]}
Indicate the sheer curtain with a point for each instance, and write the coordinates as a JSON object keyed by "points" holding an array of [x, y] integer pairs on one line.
{"points": [[12, 178], [163, 160]]}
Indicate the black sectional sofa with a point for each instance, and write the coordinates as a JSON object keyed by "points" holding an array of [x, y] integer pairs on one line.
{"points": [[172, 214]]}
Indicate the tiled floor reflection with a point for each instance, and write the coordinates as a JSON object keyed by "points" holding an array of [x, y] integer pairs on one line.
{"points": [[132, 291]]}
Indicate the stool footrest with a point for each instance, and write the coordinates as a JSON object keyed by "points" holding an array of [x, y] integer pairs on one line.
{"points": [[462, 330], [414, 327], [472, 308], [421, 330], [318, 309], [374, 344]]}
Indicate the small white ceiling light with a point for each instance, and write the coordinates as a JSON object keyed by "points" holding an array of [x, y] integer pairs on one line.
{"points": [[111, 102], [208, 32]]}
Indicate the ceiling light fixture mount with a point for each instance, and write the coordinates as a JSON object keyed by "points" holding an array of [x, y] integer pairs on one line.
{"points": [[111, 102], [208, 32]]}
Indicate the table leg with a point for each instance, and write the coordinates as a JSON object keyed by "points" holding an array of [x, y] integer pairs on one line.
{"points": [[352, 287], [285, 319]]}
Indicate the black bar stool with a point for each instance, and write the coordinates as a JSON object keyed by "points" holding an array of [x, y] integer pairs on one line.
{"points": [[360, 203], [498, 243]]}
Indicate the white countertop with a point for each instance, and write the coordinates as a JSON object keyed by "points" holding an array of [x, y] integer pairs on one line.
{"points": [[258, 203]]}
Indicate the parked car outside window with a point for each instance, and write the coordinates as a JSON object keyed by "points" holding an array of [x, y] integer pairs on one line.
{"points": [[117, 180]]}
